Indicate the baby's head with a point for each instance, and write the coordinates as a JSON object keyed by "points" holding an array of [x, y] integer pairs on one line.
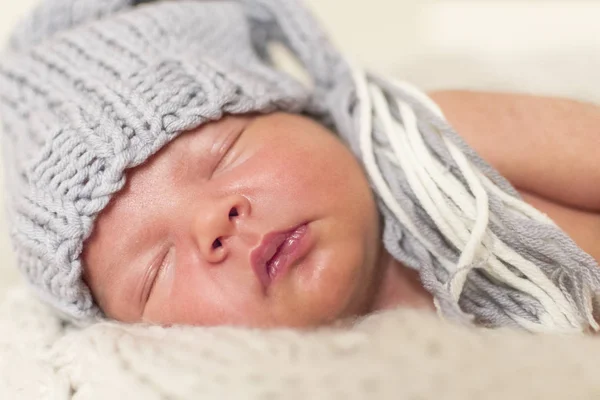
{"points": [[256, 220], [160, 170]]}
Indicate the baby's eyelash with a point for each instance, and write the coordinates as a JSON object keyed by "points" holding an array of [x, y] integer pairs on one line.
{"points": [[227, 146], [158, 271], [222, 157]]}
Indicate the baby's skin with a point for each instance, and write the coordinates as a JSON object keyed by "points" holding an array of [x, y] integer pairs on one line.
{"points": [[190, 238], [269, 220]]}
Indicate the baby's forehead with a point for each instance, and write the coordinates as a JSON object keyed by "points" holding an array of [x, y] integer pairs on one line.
{"points": [[193, 154]]}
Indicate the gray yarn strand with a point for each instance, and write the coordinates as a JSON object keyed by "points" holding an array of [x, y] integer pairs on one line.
{"points": [[569, 267]]}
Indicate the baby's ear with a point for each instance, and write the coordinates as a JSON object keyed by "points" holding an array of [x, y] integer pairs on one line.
{"points": [[53, 16]]}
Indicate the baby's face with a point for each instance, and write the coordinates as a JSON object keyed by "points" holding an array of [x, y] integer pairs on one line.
{"points": [[256, 221]]}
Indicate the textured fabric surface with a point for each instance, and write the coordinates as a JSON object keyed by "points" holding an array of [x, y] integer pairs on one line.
{"points": [[480, 249], [395, 355]]}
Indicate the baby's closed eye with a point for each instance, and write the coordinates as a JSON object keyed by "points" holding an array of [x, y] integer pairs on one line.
{"points": [[155, 272]]}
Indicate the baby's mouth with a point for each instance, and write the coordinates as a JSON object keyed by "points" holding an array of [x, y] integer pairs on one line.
{"points": [[273, 262], [277, 251]]}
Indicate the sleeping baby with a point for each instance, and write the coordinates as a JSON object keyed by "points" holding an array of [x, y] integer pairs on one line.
{"points": [[161, 168]]}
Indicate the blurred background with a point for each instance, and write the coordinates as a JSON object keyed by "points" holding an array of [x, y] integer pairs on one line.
{"points": [[547, 47]]}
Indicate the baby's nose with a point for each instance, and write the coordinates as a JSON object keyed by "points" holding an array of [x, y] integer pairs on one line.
{"points": [[216, 223]]}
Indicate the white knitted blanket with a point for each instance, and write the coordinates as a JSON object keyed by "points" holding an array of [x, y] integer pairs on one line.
{"points": [[400, 355]]}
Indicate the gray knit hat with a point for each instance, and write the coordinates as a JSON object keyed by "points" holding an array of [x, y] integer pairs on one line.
{"points": [[90, 88]]}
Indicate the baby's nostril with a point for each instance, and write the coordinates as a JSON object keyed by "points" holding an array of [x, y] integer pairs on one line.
{"points": [[233, 212], [216, 244]]}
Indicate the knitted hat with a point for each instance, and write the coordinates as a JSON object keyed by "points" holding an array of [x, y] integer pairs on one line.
{"points": [[91, 88]]}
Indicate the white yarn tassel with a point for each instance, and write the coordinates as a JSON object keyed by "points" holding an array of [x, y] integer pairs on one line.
{"points": [[464, 221]]}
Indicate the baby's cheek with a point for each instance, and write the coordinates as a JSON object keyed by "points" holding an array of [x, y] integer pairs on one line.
{"points": [[178, 300], [201, 297], [330, 285]]}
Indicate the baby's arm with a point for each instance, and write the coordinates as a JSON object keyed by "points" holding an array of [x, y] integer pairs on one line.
{"points": [[542, 145]]}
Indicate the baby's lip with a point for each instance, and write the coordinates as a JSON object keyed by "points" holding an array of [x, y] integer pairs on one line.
{"points": [[267, 249]]}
